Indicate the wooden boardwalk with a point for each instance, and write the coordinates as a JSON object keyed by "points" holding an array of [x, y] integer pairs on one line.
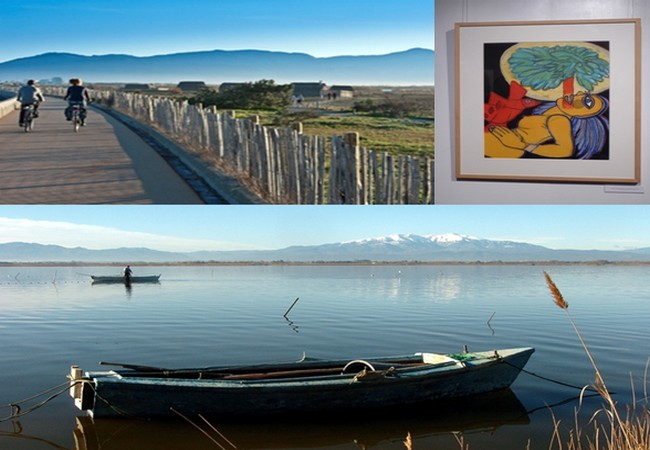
{"points": [[103, 163]]}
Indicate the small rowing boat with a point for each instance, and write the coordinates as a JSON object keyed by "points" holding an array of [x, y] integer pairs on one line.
{"points": [[476, 414], [308, 386], [123, 279]]}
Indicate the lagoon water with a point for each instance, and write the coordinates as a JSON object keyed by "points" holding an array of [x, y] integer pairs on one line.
{"points": [[53, 317]]}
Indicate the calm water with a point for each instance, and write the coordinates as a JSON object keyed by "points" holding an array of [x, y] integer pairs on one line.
{"points": [[53, 317]]}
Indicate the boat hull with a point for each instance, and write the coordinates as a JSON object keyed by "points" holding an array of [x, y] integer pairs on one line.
{"points": [[115, 393], [120, 279], [474, 414]]}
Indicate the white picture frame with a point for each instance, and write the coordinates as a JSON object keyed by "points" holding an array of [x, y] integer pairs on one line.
{"points": [[477, 45]]}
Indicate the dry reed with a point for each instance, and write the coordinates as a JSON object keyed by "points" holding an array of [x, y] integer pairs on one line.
{"points": [[408, 442], [614, 432]]}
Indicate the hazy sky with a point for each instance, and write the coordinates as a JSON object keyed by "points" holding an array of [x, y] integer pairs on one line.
{"points": [[189, 228], [147, 27]]}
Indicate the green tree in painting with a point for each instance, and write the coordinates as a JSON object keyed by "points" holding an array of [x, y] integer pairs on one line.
{"points": [[543, 68]]}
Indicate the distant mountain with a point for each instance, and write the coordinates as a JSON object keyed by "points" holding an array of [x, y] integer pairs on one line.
{"points": [[410, 67], [403, 247], [25, 252]]}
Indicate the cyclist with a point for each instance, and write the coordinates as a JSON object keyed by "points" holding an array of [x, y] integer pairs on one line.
{"points": [[29, 95], [76, 95]]}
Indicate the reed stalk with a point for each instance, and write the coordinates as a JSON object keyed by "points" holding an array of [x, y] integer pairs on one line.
{"points": [[408, 442], [631, 432]]}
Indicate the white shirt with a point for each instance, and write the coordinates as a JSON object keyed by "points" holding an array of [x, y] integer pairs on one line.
{"points": [[29, 94]]}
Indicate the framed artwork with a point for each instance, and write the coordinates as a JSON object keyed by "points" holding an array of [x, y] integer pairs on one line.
{"points": [[548, 101]]}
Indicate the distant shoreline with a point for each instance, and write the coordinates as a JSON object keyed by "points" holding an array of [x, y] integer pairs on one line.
{"points": [[325, 263]]}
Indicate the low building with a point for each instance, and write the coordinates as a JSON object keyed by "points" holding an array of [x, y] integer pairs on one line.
{"points": [[342, 91], [136, 87], [223, 87], [191, 86], [309, 90]]}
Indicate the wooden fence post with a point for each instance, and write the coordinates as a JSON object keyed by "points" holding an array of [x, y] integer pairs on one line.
{"points": [[353, 168]]}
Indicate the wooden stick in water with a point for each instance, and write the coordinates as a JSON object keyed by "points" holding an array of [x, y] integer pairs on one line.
{"points": [[292, 305]]}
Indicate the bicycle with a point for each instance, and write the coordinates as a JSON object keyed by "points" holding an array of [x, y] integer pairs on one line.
{"points": [[76, 117], [27, 112]]}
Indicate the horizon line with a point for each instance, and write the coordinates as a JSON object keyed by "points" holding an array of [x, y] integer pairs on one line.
{"points": [[360, 262]]}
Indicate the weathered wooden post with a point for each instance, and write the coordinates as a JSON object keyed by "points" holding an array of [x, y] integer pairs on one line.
{"points": [[352, 142], [429, 198], [297, 127], [352, 139]]}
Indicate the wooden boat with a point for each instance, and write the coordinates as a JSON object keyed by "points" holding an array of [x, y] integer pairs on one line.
{"points": [[474, 414], [122, 279], [308, 386]]}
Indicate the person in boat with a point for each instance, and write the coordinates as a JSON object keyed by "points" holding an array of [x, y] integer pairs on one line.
{"points": [[127, 272], [77, 94], [29, 94]]}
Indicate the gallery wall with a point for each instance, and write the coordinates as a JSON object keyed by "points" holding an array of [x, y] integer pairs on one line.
{"points": [[450, 190]]}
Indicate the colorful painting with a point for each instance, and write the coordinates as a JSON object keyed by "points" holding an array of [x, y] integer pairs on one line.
{"points": [[547, 100]]}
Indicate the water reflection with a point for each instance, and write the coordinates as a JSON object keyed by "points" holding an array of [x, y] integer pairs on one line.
{"points": [[446, 286], [439, 287], [18, 434], [292, 325], [483, 413]]}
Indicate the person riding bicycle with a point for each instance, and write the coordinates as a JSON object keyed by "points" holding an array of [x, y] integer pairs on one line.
{"points": [[29, 95], [76, 95]]}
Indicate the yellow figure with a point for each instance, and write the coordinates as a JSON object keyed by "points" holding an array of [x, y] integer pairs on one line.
{"points": [[550, 134]]}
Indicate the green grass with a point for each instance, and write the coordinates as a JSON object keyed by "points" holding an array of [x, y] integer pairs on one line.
{"points": [[393, 135], [410, 135]]}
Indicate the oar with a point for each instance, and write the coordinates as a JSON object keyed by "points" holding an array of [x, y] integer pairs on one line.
{"points": [[134, 367]]}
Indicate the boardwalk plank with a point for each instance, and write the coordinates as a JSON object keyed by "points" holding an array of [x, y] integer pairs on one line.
{"points": [[103, 163]]}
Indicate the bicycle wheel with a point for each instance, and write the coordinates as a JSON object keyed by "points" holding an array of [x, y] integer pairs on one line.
{"points": [[75, 121], [27, 120]]}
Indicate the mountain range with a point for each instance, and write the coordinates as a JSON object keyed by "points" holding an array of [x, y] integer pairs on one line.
{"points": [[405, 247], [410, 67]]}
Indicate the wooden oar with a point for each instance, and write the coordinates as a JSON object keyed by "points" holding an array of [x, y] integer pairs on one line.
{"points": [[134, 367]]}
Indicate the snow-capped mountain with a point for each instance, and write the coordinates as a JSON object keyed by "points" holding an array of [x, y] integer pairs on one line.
{"points": [[400, 247], [412, 247], [449, 240]]}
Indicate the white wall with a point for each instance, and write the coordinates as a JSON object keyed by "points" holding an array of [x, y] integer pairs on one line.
{"points": [[7, 107], [448, 189]]}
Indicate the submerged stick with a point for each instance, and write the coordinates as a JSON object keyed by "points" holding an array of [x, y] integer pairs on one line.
{"points": [[218, 432], [197, 427], [292, 305]]}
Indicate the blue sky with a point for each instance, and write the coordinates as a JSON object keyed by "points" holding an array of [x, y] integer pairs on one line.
{"points": [[189, 228], [147, 27]]}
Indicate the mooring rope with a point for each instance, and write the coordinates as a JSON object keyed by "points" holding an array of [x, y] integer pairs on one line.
{"points": [[118, 410], [17, 410], [551, 380]]}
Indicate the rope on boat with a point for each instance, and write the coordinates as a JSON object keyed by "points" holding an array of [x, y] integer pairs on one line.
{"points": [[561, 383], [119, 411], [17, 410]]}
